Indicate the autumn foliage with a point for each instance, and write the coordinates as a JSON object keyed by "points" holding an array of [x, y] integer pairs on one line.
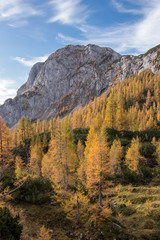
{"points": [[78, 156]]}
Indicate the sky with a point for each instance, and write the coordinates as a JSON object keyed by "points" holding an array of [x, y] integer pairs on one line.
{"points": [[30, 30]]}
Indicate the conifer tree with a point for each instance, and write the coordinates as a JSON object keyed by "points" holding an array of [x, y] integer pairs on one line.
{"points": [[76, 207], [110, 112], [133, 155], [120, 113], [5, 146], [25, 130], [61, 155], [43, 234], [115, 157], [97, 159], [21, 130], [82, 165], [19, 167], [35, 163], [148, 100]]}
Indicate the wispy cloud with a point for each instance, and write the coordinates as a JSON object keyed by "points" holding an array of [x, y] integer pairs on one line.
{"points": [[68, 12], [15, 10], [30, 62], [7, 89], [124, 38], [121, 8]]}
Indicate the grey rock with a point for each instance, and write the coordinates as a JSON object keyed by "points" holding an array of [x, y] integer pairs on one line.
{"points": [[32, 76], [71, 77]]}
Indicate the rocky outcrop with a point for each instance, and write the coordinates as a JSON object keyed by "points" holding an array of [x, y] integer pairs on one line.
{"points": [[71, 77], [32, 76]]}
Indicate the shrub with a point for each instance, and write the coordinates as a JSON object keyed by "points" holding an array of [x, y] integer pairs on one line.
{"points": [[10, 229], [126, 211], [147, 174], [147, 149], [129, 176], [34, 190], [7, 179]]}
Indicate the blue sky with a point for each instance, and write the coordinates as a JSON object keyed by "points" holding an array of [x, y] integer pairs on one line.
{"points": [[30, 30]]}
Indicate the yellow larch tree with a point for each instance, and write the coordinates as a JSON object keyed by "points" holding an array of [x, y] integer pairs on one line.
{"points": [[97, 161], [44, 234], [110, 112], [82, 165], [61, 160], [20, 168], [115, 156], [133, 155], [5, 146], [120, 121]]}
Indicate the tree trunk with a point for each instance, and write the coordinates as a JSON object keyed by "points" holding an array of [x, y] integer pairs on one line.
{"points": [[140, 171], [78, 215], [100, 194]]}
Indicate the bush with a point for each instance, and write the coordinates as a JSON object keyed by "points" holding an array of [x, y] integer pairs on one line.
{"points": [[147, 174], [146, 135], [34, 191], [7, 179], [147, 149], [129, 177], [126, 211], [10, 229]]}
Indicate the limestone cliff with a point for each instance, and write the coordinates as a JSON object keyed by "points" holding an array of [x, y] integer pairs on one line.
{"points": [[71, 77]]}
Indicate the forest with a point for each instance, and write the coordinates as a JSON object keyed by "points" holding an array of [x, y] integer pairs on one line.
{"points": [[92, 174]]}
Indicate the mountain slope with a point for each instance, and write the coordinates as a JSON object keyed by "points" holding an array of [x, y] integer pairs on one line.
{"points": [[70, 77]]}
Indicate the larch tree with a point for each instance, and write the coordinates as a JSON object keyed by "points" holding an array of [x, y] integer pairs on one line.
{"points": [[82, 165], [97, 160], [115, 156], [148, 99], [25, 130], [61, 155], [20, 169], [133, 155], [21, 130], [76, 207], [5, 146], [110, 112], [44, 234], [120, 113], [35, 163], [69, 157]]}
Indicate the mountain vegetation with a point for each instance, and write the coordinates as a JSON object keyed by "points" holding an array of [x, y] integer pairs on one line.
{"points": [[93, 174]]}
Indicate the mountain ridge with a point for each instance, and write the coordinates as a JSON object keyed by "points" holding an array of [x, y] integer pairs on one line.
{"points": [[72, 76]]}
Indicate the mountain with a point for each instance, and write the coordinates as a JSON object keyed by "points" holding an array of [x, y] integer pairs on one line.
{"points": [[70, 77]]}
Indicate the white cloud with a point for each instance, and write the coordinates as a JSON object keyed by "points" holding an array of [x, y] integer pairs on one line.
{"points": [[30, 62], [70, 12], [16, 10], [124, 38], [121, 8], [7, 89]]}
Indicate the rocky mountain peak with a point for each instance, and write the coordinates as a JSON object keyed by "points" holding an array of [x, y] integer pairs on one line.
{"points": [[71, 77]]}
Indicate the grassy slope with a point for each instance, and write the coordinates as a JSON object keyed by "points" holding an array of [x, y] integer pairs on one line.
{"points": [[142, 220], [138, 223]]}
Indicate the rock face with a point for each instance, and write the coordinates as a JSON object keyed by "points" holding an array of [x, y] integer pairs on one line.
{"points": [[71, 77]]}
